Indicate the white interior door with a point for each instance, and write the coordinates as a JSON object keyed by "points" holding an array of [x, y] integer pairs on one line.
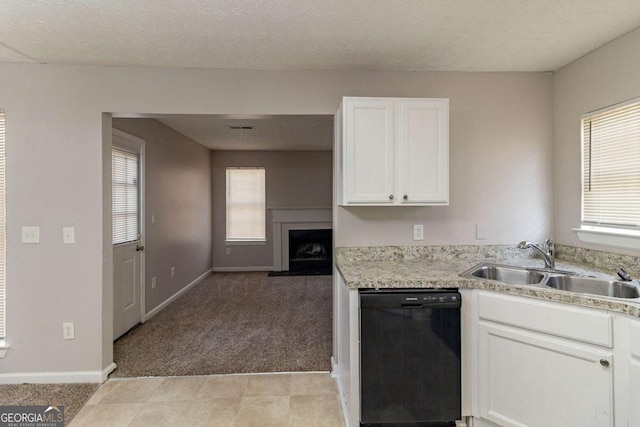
{"points": [[128, 245]]}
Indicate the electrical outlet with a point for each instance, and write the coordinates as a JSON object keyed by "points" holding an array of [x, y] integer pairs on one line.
{"points": [[30, 234], [68, 331], [68, 235], [173, 272], [154, 282], [481, 231], [228, 251], [418, 232]]}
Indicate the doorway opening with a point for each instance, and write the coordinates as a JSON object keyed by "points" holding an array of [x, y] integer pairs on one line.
{"points": [[194, 280]]}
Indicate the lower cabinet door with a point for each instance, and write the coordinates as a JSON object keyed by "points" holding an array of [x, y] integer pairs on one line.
{"points": [[634, 375], [634, 393], [536, 380]]}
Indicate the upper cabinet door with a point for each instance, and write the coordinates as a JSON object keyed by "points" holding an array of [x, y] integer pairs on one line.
{"points": [[422, 163], [368, 150]]}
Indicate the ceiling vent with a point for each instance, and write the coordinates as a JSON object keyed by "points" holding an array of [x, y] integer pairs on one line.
{"points": [[240, 127]]}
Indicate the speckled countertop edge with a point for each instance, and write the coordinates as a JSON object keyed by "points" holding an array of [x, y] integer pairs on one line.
{"points": [[440, 267]]}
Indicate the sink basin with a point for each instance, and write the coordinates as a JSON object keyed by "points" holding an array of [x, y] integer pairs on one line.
{"points": [[554, 279], [586, 285], [506, 274]]}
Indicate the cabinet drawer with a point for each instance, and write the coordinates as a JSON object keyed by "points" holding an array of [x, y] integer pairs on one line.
{"points": [[634, 339], [553, 318]]}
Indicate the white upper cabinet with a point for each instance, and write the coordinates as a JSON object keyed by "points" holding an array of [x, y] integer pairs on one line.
{"points": [[393, 151]]}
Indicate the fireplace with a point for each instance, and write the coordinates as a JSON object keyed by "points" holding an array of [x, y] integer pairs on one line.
{"points": [[286, 220], [310, 251]]}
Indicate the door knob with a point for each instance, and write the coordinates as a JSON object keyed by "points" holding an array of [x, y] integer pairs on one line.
{"points": [[604, 362], [139, 248]]}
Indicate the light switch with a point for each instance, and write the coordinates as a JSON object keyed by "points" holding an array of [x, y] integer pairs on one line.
{"points": [[153, 219], [68, 235], [30, 234]]}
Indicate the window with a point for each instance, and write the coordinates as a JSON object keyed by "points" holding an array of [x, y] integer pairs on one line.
{"points": [[245, 204], [124, 170], [611, 170], [2, 227]]}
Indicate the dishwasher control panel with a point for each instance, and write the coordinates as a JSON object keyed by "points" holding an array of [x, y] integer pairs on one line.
{"points": [[410, 298]]}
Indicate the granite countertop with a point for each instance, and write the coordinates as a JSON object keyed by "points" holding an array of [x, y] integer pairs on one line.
{"points": [[444, 272]]}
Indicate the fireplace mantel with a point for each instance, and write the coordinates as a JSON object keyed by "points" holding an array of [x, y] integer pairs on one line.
{"points": [[285, 219]]}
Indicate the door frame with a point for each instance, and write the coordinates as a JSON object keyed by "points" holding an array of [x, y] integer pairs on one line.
{"points": [[133, 142]]}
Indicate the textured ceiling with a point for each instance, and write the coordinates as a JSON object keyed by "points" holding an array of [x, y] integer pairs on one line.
{"points": [[280, 133], [402, 35], [436, 35]]}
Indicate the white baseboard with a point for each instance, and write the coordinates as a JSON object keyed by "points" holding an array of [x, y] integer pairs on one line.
{"points": [[175, 296], [106, 371], [241, 269], [341, 392], [52, 377], [333, 367], [477, 422]]}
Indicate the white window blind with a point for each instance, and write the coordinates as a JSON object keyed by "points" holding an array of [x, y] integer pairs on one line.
{"points": [[611, 167], [125, 202], [2, 225], [245, 204]]}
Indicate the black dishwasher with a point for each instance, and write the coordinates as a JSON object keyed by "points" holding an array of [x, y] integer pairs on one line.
{"points": [[410, 357]]}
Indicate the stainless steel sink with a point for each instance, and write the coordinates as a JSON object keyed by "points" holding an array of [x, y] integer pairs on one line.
{"points": [[586, 285], [554, 279], [505, 273]]}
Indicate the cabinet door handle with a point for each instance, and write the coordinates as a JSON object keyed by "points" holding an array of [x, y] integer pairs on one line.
{"points": [[604, 362], [390, 196], [405, 197]]}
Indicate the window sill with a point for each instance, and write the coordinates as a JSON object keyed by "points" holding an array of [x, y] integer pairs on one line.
{"points": [[245, 242], [619, 238]]}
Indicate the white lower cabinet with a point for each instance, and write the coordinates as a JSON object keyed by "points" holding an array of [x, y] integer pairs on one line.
{"points": [[533, 372], [526, 362], [529, 379], [634, 374]]}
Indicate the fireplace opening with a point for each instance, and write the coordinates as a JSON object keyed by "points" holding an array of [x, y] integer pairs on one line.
{"points": [[310, 251]]}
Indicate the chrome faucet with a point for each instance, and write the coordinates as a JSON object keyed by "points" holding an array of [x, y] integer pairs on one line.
{"points": [[548, 254]]}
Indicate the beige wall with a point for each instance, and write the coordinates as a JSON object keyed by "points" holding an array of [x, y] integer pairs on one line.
{"points": [[500, 168], [294, 179], [177, 193], [500, 174], [606, 76]]}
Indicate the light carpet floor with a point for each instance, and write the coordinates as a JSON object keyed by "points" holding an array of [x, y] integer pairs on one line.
{"points": [[71, 396], [235, 323]]}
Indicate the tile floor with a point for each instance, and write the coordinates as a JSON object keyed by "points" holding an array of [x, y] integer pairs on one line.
{"points": [[264, 400]]}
